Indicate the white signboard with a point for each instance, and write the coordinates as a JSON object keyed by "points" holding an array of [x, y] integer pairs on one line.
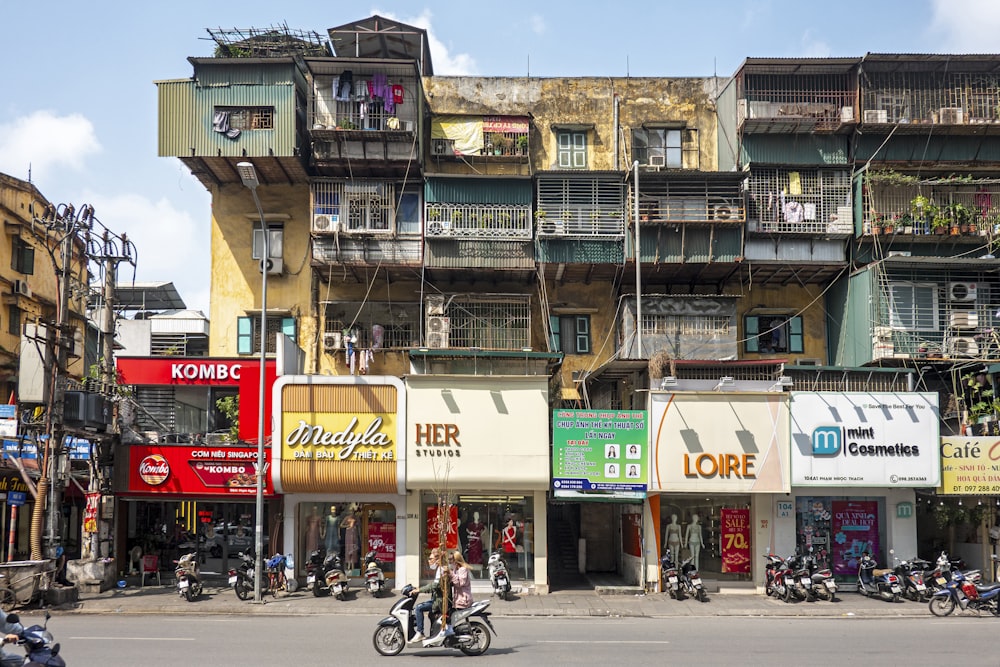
{"points": [[8, 428], [865, 439]]}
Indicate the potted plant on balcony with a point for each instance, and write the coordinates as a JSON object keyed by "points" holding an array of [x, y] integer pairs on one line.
{"points": [[522, 144], [940, 223], [960, 216]]}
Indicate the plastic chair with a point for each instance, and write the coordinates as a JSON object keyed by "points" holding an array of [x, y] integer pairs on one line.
{"points": [[150, 565]]}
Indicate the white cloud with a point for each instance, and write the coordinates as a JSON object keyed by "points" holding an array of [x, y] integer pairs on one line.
{"points": [[445, 63], [964, 26], [43, 141], [537, 22], [169, 244]]}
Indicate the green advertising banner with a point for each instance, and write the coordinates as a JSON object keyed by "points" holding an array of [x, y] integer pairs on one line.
{"points": [[600, 451]]}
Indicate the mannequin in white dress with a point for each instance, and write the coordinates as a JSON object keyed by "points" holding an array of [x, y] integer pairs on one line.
{"points": [[693, 540]]}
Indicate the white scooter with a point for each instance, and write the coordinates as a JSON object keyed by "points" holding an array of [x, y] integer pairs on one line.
{"points": [[188, 575], [374, 577], [470, 628], [499, 577]]}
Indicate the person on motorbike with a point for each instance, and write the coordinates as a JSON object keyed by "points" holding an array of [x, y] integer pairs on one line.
{"points": [[432, 605], [11, 628]]}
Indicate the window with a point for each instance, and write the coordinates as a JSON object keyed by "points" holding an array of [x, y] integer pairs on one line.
{"points": [[658, 147], [571, 333], [773, 334], [913, 306], [248, 333], [372, 324], [408, 213], [14, 320], [22, 257], [250, 118], [275, 239], [571, 152]]}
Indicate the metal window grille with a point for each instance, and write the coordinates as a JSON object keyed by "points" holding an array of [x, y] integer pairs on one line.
{"points": [[250, 118], [685, 326], [398, 322], [800, 200], [490, 322], [920, 97]]}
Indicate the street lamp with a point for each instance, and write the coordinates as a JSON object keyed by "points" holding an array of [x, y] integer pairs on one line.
{"points": [[249, 177]]}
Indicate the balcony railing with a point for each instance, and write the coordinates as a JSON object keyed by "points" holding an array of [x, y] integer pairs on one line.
{"points": [[902, 204], [581, 222], [474, 221]]}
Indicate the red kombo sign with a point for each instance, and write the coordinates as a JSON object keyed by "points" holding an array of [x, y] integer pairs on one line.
{"points": [[196, 470]]}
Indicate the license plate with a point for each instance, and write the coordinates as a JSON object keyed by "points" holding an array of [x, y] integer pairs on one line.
{"points": [[789, 581], [182, 584], [672, 580], [696, 582], [232, 580], [895, 589], [806, 581], [311, 579], [921, 587], [832, 586], [941, 580], [502, 581]]}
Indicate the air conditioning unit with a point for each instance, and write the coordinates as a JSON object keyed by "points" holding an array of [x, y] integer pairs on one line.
{"points": [[876, 116], [438, 328], [326, 224], [435, 304], [963, 347], [442, 146], [882, 333], [275, 266], [725, 213], [657, 160], [962, 292], [21, 287], [332, 340], [846, 114], [964, 319], [951, 116], [439, 228]]}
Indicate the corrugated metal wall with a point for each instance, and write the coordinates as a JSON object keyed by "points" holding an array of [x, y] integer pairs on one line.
{"points": [[728, 140], [849, 308], [175, 126], [802, 149], [660, 244], [479, 191], [491, 254], [920, 148], [580, 251]]}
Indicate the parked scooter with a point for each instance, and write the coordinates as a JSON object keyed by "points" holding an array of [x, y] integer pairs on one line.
{"points": [[911, 574], [691, 581], [188, 574], [823, 585], [40, 647], [670, 576], [241, 577], [374, 577], [499, 578], [774, 575], [875, 583], [962, 592], [334, 580], [470, 628]]}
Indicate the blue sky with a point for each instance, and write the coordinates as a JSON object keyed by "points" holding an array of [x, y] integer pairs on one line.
{"points": [[78, 103]]}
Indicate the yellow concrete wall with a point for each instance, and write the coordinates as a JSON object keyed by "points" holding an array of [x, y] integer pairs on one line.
{"points": [[795, 300]]}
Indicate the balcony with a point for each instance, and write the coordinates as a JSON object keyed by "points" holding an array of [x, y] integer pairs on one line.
{"points": [[580, 222], [805, 201], [483, 222]]}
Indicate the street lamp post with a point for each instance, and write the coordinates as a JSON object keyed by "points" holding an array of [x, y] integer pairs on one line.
{"points": [[249, 177]]}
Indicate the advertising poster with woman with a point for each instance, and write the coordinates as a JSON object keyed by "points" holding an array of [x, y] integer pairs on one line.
{"points": [[854, 526]]}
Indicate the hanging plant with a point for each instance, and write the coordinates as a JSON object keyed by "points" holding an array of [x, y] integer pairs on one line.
{"points": [[942, 515]]}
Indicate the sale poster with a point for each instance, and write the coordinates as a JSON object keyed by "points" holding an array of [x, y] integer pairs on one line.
{"points": [[434, 528], [90, 513], [735, 536], [854, 526], [382, 540]]}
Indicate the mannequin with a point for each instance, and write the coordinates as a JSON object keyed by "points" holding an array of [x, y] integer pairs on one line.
{"points": [[693, 540], [474, 540], [351, 546], [673, 537], [332, 531], [313, 527], [510, 537]]}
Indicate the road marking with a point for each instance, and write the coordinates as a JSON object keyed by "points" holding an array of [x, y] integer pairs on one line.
{"points": [[609, 641], [142, 639]]}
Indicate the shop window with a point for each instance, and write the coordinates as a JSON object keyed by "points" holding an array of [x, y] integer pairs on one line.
{"points": [[692, 528], [773, 334], [838, 530], [248, 333], [350, 530], [571, 333]]}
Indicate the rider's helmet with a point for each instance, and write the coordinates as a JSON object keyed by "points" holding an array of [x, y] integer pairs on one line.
{"points": [[372, 566]]}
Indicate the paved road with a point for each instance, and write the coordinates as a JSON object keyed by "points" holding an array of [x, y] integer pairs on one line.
{"points": [[155, 640]]}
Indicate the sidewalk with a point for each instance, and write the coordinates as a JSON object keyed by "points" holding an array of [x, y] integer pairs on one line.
{"points": [[219, 600]]}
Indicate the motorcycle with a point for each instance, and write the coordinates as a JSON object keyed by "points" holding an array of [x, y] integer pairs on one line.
{"points": [[374, 577], [470, 628], [823, 585], [188, 574], [875, 583], [911, 573], [691, 581], [329, 577], [499, 577], [241, 577], [670, 576], [774, 575], [40, 648], [962, 592]]}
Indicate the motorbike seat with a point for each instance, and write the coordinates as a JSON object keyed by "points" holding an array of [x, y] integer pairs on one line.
{"points": [[988, 587], [880, 572]]}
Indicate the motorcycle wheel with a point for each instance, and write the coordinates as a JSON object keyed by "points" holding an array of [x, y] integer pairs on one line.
{"points": [[189, 594], [242, 589], [789, 594], [319, 591], [821, 593], [702, 595], [388, 640], [895, 597], [507, 595], [941, 605], [480, 639]]}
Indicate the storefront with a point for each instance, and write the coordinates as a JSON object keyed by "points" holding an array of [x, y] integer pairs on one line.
{"points": [[339, 460], [856, 460], [717, 462], [181, 498], [478, 449]]}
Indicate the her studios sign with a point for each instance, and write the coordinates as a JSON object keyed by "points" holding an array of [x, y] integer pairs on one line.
{"points": [[865, 439]]}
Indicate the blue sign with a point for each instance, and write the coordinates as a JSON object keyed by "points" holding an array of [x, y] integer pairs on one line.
{"points": [[826, 440], [16, 498], [78, 449], [8, 411]]}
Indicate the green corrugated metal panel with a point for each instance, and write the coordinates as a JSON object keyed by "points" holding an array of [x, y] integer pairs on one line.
{"points": [[491, 254], [279, 141], [849, 313], [580, 251], [479, 190], [664, 245], [794, 149], [916, 148], [728, 141], [175, 125], [245, 74]]}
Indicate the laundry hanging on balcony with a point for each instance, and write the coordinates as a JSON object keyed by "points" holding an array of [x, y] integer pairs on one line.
{"points": [[220, 123]]}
